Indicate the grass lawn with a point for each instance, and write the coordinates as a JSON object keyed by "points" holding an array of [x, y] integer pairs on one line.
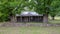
{"points": [[29, 30], [56, 21]]}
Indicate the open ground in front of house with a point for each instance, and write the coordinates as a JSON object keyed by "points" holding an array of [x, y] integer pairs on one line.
{"points": [[32, 29]]}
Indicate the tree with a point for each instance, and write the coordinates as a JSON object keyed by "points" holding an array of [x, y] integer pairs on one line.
{"points": [[55, 9], [43, 7], [3, 11], [12, 7], [54, 12]]}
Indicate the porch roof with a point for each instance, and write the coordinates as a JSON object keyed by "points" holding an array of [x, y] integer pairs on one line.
{"points": [[29, 13]]}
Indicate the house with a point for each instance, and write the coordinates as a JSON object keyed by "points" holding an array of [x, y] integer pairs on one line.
{"points": [[29, 16]]}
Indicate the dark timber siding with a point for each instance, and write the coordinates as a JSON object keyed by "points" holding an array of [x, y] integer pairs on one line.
{"points": [[29, 18]]}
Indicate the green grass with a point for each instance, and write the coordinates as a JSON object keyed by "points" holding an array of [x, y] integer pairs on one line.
{"points": [[29, 30], [56, 21]]}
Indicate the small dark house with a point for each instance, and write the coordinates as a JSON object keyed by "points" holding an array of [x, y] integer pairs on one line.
{"points": [[29, 17]]}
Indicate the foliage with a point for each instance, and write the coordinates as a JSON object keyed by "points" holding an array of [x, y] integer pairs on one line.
{"points": [[12, 7], [55, 8]]}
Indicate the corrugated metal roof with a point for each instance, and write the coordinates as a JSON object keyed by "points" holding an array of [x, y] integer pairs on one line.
{"points": [[29, 13]]}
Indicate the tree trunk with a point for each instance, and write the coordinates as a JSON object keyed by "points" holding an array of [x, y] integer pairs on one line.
{"points": [[45, 18], [53, 17], [13, 19]]}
